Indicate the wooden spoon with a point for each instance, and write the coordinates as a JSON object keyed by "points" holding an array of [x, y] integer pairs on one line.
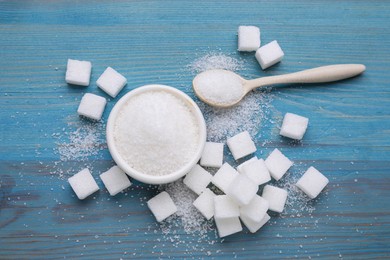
{"points": [[223, 88]]}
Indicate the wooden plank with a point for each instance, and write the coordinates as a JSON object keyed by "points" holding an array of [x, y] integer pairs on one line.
{"points": [[154, 42]]}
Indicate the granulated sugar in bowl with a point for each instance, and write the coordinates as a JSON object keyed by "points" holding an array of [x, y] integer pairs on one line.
{"points": [[156, 134]]}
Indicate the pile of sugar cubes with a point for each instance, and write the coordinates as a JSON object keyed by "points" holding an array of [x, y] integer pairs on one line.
{"points": [[110, 81], [249, 40], [240, 201]]}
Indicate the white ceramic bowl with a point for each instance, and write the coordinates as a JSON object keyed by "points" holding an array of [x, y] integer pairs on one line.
{"points": [[147, 178]]}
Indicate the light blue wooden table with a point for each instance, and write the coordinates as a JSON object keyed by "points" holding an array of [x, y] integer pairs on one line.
{"points": [[152, 42]]}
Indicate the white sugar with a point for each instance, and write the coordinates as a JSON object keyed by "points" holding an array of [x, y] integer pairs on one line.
{"points": [[156, 133], [187, 229], [215, 61], [189, 217], [219, 87], [246, 115], [81, 143]]}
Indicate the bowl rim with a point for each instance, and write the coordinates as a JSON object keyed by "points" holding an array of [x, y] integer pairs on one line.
{"points": [[142, 177]]}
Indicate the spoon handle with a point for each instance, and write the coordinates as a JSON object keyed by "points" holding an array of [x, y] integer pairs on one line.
{"points": [[317, 75]]}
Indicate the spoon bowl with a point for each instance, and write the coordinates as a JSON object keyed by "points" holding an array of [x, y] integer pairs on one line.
{"points": [[223, 88], [220, 88]]}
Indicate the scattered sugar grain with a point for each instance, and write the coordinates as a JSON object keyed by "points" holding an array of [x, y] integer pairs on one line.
{"points": [[87, 140], [80, 141], [189, 217], [247, 115], [197, 231], [215, 61]]}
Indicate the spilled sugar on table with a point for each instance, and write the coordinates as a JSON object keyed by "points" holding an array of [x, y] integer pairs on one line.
{"points": [[153, 42]]}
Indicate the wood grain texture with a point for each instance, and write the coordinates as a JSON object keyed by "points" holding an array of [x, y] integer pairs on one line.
{"points": [[153, 42]]}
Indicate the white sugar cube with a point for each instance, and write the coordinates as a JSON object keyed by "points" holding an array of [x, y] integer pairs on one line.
{"points": [[224, 176], [255, 210], [242, 189], [241, 145], [228, 226], [78, 72], [276, 197], [248, 38], [212, 155], [197, 179], [277, 164], [252, 226], [257, 171], [115, 180], [225, 207], [312, 182], [294, 126], [205, 203], [83, 184], [241, 166], [162, 206], [92, 106], [111, 82], [269, 54]]}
